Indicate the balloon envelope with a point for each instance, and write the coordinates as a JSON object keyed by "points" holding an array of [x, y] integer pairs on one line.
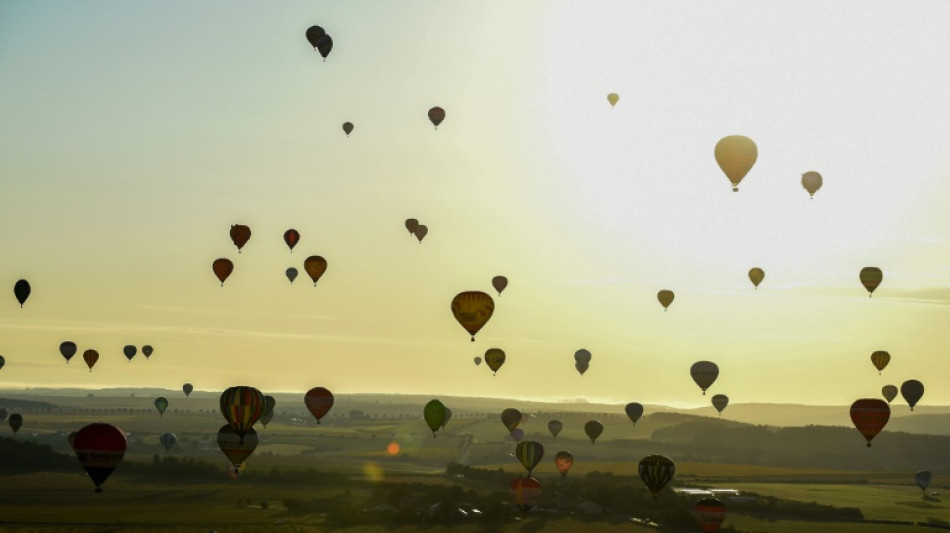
{"points": [[241, 406], [99, 448], [436, 116], [67, 349], [870, 415], [889, 392], [665, 297], [563, 461], [168, 440], [871, 278], [187, 388], [291, 274], [922, 479], [811, 181], [511, 418], [269, 404], [478, 361], [222, 268], [555, 427], [880, 359], [21, 289], [347, 128], [656, 471], [324, 46], [315, 266], [434, 415], [525, 493], [161, 403], [756, 275], [720, 401], [494, 358], [581, 366], [291, 238], [90, 357], [634, 411], [582, 355], [313, 34], [912, 390], [530, 453], [421, 231], [411, 225], [15, 421], [499, 283], [318, 401], [240, 234], [129, 351], [704, 373], [517, 434], [147, 350], [593, 429], [613, 98], [710, 513], [472, 309], [735, 155], [236, 447], [2, 361]]}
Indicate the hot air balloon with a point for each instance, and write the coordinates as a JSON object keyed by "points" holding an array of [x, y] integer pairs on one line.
{"points": [[555, 427], [478, 361], [347, 128], [436, 116], [735, 155], [889, 392], [870, 415], [411, 225], [236, 447], [266, 418], [324, 46], [613, 98], [67, 349], [472, 309], [912, 390], [880, 359], [710, 513], [582, 355], [517, 434], [563, 461], [291, 274], [240, 234], [21, 289], [448, 416], [656, 471], [187, 388], [634, 411], [129, 352], [871, 277], [530, 453], [241, 406], [269, 404], [434, 415], [291, 237], [665, 297], [421, 231], [525, 493], [2, 361], [511, 418], [100, 448], [15, 421], [720, 401], [168, 440], [922, 479], [222, 268], [581, 366], [756, 275], [315, 267], [704, 373], [499, 283], [318, 401], [593, 429], [161, 403], [313, 35], [147, 350], [90, 357], [811, 181]]}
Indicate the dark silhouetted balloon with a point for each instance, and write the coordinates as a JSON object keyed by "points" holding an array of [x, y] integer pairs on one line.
{"points": [[472, 309], [90, 357], [67, 349], [478, 361], [347, 128], [21, 289], [704, 373], [494, 358], [187, 388], [756, 275], [922, 479], [2, 361], [511, 418], [530, 453], [161, 403], [313, 35], [241, 406], [720, 401], [870, 415], [889, 392], [222, 269], [411, 225], [563, 461], [436, 116], [634, 411], [710, 513], [499, 283], [315, 266], [240, 234], [269, 404], [665, 297], [129, 352], [318, 401], [581, 366], [237, 447], [324, 46], [291, 237], [147, 350], [912, 390], [811, 181], [880, 359], [871, 277], [656, 471], [421, 231], [555, 427], [291, 274], [735, 155], [593, 429], [434, 414], [100, 448], [15, 421], [168, 440]]}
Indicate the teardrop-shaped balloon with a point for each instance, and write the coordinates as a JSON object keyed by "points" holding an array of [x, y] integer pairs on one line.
{"points": [[15, 421], [563, 461], [269, 404], [2, 361], [313, 34], [291, 238], [222, 268], [665, 297], [315, 266], [187, 388], [99, 448], [912, 390], [811, 181], [242, 407], [168, 440], [494, 358], [581, 367], [511, 418], [756, 275], [870, 415], [161, 403], [90, 357], [411, 225], [704, 373], [499, 283], [22, 290], [472, 309], [237, 447], [517, 434], [710, 513], [922, 479], [478, 361], [240, 234], [530, 453], [593, 429], [67, 349], [889, 392], [880, 359], [434, 415], [347, 128], [318, 401], [421, 231], [613, 98], [871, 278], [735, 155], [525, 493], [555, 427], [436, 116], [448, 416], [147, 350], [656, 471], [720, 401], [129, 352], [291, 274], [634, 411], [324, 46]]}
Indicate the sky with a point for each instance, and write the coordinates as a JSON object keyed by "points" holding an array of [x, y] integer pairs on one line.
{"points": [[134, 134]]}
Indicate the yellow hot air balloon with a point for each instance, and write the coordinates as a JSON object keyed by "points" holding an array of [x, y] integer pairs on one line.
{"points": [[811, 181], [736, 155], [880, 359], [756, 275], [494, 357], [613, 98], [665, 297], [472, 309]]}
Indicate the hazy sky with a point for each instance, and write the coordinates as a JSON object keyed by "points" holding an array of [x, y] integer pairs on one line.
{"points": [[133, 134]]}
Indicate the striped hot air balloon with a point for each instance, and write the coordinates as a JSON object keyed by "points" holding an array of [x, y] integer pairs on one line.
{"points": [[242, 406], [870, 415]]}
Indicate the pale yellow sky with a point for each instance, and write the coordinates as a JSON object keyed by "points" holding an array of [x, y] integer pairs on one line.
{"points": [[134, 135]]}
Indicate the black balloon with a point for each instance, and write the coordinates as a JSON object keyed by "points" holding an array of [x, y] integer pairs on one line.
{"points": [[22, 291]]}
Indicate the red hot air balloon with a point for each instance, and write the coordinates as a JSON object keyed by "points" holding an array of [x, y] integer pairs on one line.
{"points": [[100, 448], [525, 493], [710, 513], [90, 357], [240, 234], [315, 266], [564, 461], [318, 401], [291, 237], [870, 415], [222, 268]]}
